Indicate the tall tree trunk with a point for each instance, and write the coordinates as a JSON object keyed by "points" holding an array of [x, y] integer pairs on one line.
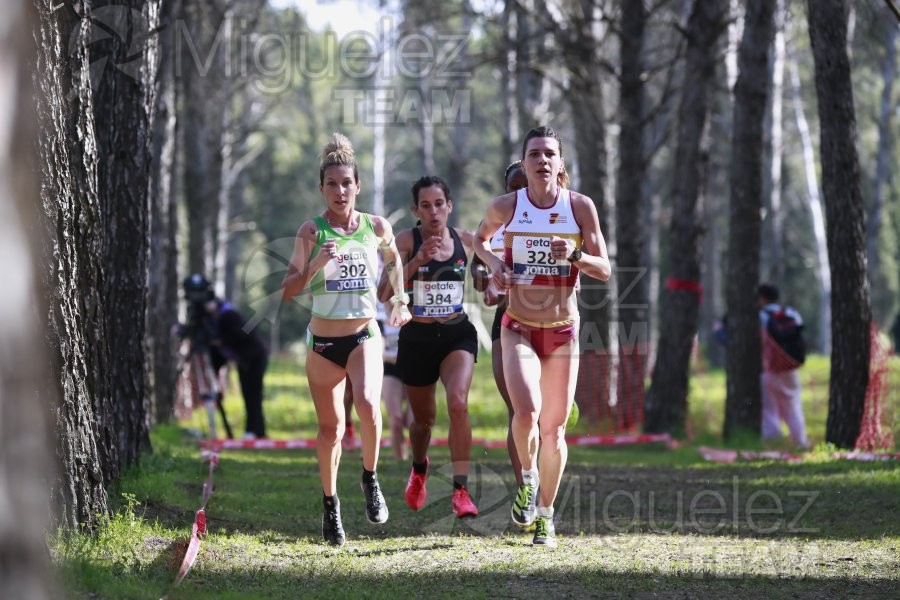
{"points": [[654, 217], [528, 78], [845, 221], [25, 396], [459, 154], [883, 298], [715, 238], [735, 32], [509, 81], [379, 135], [124, 125], [666, 403], [633, 302], [202, 37], [67, 154], [379, 147], [162, 299], [743, 358], [245, 106], [814, 201], [426, 127], [96, 107], [774, 171], [586, 98], [225, 198]]}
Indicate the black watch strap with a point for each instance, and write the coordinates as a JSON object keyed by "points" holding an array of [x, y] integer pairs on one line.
{"points": [[575, 256]]}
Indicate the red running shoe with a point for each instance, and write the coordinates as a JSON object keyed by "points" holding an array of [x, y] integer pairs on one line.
{"points": [[462, 504], [415, 488]]}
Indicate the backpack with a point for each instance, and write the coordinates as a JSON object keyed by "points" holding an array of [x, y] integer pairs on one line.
{"points": [[787, 333]]}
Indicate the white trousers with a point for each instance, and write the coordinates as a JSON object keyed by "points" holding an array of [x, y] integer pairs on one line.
{"points": [[781, 402]]}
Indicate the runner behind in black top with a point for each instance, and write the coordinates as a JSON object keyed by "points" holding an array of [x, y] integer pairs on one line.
{"points": [[439, 342]]}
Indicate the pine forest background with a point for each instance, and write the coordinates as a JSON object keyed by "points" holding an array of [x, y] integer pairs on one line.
{"points": [[724, 143]]}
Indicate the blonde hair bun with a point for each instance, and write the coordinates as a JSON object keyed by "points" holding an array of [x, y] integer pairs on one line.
{"points": [[338, 151]]}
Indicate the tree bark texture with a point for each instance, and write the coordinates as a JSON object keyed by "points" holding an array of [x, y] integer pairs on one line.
{"points": [[666, 403], [509, 83], [633, 302], [162, 298], [202, 42], [884, 301], [95, 62], [68, 157], [125, 108], [715, 219], [532, 52], [844, 221], [743, 403], [580, 47], [774, 170], [25, 396]]}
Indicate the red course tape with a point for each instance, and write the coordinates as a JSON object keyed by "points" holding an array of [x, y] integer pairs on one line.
{"points": [[198, 530]]}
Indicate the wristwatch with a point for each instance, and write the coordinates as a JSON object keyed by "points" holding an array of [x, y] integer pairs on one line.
{"points": [[575, 256]]}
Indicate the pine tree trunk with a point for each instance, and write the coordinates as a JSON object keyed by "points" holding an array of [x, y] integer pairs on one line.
{"points": [[743, 363], [633, 302], [124, 113], [225, 200], [845, 221], [884, 301], [25, 395], [735, 32], [382, 81], [426, 127], [528, 78], [460, 154], [814, 201], [774, 170], [586, 96], [715, 238], [509, 84], [200, 70], [95, 106], [162, 300], [68, 157], [666, 403]]}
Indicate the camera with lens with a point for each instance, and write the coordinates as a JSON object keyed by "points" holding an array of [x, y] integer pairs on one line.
{"points": [[197, 291]]}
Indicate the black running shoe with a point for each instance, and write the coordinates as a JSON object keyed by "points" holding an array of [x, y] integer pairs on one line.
{"points": [[332, 529], [376, 508]]}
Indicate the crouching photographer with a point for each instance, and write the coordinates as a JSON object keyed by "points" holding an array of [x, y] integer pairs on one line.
{"points": [[216, 334]]}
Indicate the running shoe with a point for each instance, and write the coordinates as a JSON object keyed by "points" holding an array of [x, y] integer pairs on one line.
{"points": [[544, 532], [462, 503], [376, 507], [415, 488], [523, 509], [332, 528]]}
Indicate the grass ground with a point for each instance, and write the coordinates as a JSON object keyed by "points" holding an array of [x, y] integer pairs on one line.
{"points": [[634, 521]]}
